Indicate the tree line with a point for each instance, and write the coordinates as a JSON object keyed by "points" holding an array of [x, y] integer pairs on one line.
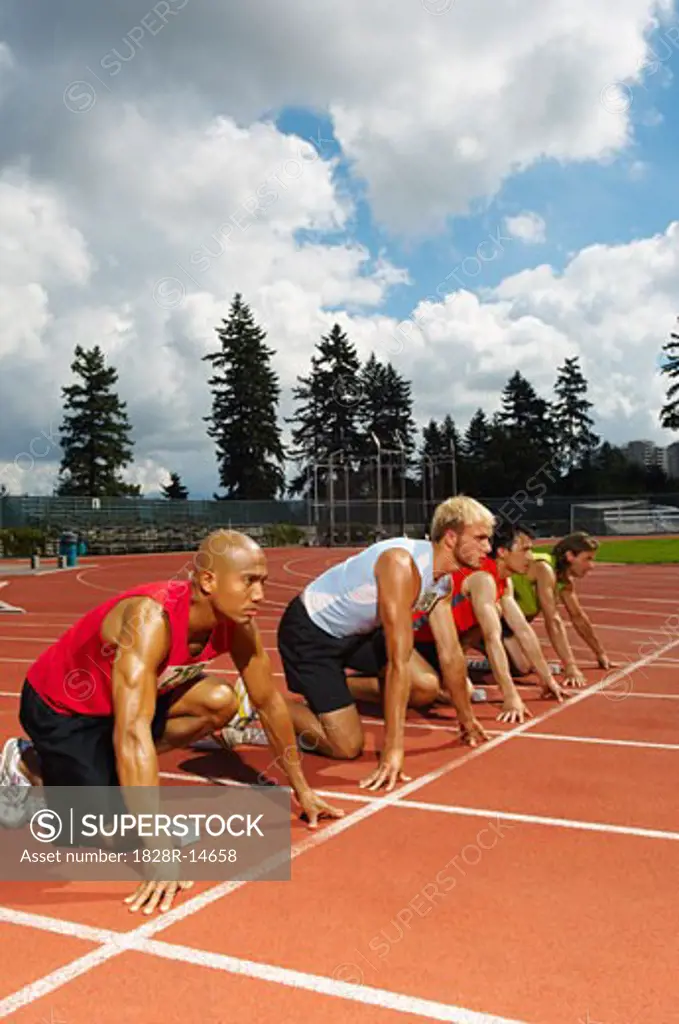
{"points": [[347, 413]]}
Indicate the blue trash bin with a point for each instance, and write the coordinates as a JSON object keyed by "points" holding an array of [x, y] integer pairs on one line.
{"points": [[68, 546]]}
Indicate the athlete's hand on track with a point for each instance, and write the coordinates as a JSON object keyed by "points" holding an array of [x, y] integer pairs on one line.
{"points": [[605, 662], [315, 807], [150, 895], [573, 677], [552, 689], [472, 733], [389, 771], [513, 711]]}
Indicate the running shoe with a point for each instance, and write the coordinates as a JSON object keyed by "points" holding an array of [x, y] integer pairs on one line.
{"points": [[15, 789], [244, 729]]}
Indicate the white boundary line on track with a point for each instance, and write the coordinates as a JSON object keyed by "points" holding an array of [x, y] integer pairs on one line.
{"points": [[5, 607], [626, 611], [302, 980], [462, 811], [62, 975]]}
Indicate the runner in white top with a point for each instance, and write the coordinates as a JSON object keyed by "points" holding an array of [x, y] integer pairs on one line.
{"points": [[343, 601], [325, 626]]}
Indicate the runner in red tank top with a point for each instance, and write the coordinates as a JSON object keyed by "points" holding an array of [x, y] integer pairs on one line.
{"points": [[128, 682], [482, 602]]}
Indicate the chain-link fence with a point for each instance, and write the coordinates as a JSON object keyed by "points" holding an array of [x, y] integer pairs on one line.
{"points": [[352, 507]]}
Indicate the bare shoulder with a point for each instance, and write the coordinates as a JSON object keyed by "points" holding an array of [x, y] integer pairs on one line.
{"points": [[395, 561], [397, 575], [135, 615], [543, 572], [480, 582]]}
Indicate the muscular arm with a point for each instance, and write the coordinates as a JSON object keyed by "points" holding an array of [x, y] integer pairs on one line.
{"points": [[582, 623], [556, 631], [398, 584], [451, 659], [142, 642], [527, 638], [483, 593], [254, 665]]}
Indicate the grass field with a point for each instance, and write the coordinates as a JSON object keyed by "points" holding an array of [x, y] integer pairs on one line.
{"points": [[645, 550]]}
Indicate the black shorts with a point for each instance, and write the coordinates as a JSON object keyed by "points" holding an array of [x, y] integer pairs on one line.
{"points": [[371, 657], [314, 662], [76, 750]]}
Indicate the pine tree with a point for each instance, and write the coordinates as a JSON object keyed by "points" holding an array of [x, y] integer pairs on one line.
{"points": [[452, 454], [95, 432], [175, 490], [476, 445], [576, 443], [669, 414], [523, 438], [245, 393], [327, 413], [386, 409], [431, 455]]}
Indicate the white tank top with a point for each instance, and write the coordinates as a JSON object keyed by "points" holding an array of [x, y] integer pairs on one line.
{"points": [[343, 600]]}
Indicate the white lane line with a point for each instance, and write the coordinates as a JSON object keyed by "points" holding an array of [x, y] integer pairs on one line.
{"points": [[322, 985], [302, 980], [539, 819], [599, 741], [34, 990]]}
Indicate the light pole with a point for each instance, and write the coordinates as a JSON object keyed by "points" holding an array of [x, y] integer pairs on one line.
{"points": [[379, 483], [453, 461]]}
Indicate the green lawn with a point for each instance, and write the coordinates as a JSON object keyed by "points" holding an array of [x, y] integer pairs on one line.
{"points": [[648, 550]]}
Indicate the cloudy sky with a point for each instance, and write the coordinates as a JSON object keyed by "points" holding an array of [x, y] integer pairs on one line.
{"points": [[466, 187]]}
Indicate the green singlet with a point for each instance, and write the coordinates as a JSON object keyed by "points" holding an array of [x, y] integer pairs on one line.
{"points": [[526, 592]]}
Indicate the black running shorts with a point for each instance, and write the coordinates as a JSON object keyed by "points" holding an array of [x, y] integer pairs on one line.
{"points": [[371, 657], [314, 662], [76, 750]]}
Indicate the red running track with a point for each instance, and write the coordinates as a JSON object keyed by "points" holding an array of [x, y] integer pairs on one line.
{"points": [[528, 881]]}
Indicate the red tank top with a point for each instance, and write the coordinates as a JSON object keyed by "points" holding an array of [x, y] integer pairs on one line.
{"points": [[74, 674], [462, 607]]}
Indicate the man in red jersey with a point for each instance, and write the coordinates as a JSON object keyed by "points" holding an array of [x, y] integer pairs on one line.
{"points": [[482, 602], [128, 682], [485, 610]]}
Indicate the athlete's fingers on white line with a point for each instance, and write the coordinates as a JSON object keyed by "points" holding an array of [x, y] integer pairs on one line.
{"points": [[141, 889], [169, 897]]}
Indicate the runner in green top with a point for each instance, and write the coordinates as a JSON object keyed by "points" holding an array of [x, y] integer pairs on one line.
{"points": [[550, 578]]}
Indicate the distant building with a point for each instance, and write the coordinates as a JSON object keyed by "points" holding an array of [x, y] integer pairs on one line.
{"points": [[672, 452], [647, 455]]}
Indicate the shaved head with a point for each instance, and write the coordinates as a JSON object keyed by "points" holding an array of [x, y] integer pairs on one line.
{"points": [[230, 572], [223, 548]]}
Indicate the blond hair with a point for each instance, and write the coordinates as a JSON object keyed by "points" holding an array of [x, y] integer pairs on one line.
{"points": [[456, 513]]}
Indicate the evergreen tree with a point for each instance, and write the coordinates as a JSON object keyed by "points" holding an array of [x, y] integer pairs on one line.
{"points": [[243, 423], [453, 456], [327, 413], [175, 490], [476, 446], [385, 410], [523, 440], [576, 443], [431, 464], [669, 414], [95, 432]]}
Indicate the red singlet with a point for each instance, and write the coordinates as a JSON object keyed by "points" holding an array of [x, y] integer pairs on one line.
{"points": [[462, 607], [73, 675]]}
